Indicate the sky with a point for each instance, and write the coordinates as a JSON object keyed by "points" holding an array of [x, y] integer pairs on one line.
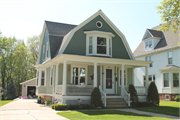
{"points": [[25, 18]]}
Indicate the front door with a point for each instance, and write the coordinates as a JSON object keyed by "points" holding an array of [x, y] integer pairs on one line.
{"points": [[109, 83]]}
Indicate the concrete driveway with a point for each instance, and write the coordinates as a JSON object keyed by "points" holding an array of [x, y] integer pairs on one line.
{"points": [[27, 109]]}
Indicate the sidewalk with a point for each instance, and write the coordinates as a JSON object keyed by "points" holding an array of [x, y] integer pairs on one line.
{"points": [[148, 113]]}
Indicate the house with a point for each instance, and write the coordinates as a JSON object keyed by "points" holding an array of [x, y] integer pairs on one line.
{"points": [[73, 59], [163, 49], [29, 88]]}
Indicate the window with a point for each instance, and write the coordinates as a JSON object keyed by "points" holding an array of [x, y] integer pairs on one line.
{"points": [[175, 79], [148, 44], [124, 77], [99, 43], [51, 76], [150, 78], [144, 80], [47, 50], [98, 24], [43, 52], [149, 58], [166, 97], [37, 77], [42, 78], [79, 75], [166, 79], [169, 57], [154, 78]]}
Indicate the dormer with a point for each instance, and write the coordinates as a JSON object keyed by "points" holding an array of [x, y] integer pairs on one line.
{"points": [[151, 38]]}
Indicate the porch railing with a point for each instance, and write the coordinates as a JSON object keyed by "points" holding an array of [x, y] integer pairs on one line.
{"points": [[103, 96], [59, 89], [126, 96], [141, 90], [79, 90]]}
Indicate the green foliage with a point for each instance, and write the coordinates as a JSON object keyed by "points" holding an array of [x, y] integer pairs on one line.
{"points": [[144, 104], [170, 15], [177, 98], [3, 94], [11, 91], [48, 102], [86, 106], [96, 98], [73, 107], [59, 106], [133, 95], [153, 95], [3, 102]]}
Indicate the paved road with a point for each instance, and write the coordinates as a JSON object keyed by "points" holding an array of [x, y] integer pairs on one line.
{"points": [[27, 109]]}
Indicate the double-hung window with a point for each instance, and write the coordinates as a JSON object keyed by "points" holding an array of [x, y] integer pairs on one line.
{"points": [[43, 52], [169, 57], [79, 75], [166, 79], [124, 77], [175, 79], [47, 46], [149, 58], [99, 43], [42, 78], [148, 45], [51, 76]]}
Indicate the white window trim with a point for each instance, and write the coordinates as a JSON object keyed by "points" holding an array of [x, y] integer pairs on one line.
{"points": [[148, 60], [168, 79], [173, 79], [165, 97], [37, 81], [146, 49], [79, 66], [99, 22], [168, 58], [94, 35], [44, 78], [44, 55], [47, 50], [120, 77], [51, 75]]}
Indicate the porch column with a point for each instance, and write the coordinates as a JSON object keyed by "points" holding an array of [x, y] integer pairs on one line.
{"points": [[146, 85], [56, 83], [122, 79], [64, 77], [101, 76], [95, 74], [133, 76]]}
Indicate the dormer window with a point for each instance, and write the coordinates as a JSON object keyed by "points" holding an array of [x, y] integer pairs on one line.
{"points": [[99, 43], [148, 45]]}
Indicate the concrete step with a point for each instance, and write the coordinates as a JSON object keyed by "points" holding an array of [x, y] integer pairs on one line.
{"points": [[116, 103], [116, 106], [114, 99]]}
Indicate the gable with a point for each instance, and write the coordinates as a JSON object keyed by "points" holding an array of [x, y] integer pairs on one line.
{"points": [[147, 34], [77, 44]]}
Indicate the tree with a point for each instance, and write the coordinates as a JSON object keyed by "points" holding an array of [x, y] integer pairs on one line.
{"points": [[170, 15], [96, 97], [153, 95], [11, 91], [133, 95]]}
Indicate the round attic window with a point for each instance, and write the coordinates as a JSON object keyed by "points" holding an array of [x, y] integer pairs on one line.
{"points": [[99, 24]]}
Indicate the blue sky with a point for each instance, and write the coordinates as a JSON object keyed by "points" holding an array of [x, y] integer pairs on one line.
{"points": [[25, 18]]}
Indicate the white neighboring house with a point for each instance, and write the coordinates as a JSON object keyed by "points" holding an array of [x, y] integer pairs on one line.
{"points": [[164, 50]]}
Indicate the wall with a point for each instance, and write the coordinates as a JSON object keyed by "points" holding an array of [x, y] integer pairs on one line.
{"points": [[24, 89], [160, 61]]}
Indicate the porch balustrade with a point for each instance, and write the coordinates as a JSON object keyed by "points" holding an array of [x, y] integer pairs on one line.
{"points": [[141, 90], [59, 89], [79, 90]]}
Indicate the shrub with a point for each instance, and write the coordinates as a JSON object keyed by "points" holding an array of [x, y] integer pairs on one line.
{"points": [[133, 95], [153, 95], [177, 98], [59, 106], [48, 103], [73, 107], [86, 106], [96, 98], [144, 104], [3, 94]]}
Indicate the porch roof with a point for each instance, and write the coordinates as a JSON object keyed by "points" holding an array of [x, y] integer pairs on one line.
{"points": [[90, 59]]}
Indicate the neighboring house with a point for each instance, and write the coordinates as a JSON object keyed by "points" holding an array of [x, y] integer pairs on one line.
{"points": [[163, 49], [29, 88], [73, 59]]}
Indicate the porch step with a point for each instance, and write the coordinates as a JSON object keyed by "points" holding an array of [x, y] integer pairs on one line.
{"points": [[116, 103]]}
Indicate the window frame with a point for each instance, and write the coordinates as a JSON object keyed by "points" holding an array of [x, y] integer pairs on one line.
{"points": [[37, 80], [173, 79], [51, 76], [86, 77], [147, 58], [44, 78], [125, 69], [44, 54], [169, 57], [47, 50], [148, 43], [169, 85]]}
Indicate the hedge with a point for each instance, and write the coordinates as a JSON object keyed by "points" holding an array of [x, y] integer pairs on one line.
{"points": [[144, 104], [59, 106], [177, 98]]}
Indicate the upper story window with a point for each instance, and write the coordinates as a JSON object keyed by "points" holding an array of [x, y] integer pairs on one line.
{"points": [[43, 52], [47, 46], [149, 58], [99, 24], [37, 78], [99, 43], [51, 76], [148, 45], [169, 57]]}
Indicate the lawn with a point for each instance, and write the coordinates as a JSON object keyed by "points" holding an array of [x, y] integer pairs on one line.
{"points": [[3, 102], [106, 115], [165, 107]]}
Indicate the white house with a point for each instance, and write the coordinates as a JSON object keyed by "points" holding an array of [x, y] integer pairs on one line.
{"points": [[164, 50]]}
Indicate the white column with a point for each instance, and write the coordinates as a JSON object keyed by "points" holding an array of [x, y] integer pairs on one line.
{"points": [[56, 83], [133, 76], [122, 79], [39, 81], [95, 74], [64, 77], [146, 79], [101, 76]]}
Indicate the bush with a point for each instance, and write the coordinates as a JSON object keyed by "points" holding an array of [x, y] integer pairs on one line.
{"points": [[96, 98], [73, 107], [153, 95], [177, 98], [59, 106], [144, 104], [48, 103], [133, 95], [86, 106], [3, 94]]}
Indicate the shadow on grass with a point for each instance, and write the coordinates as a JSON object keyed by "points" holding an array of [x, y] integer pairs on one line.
{"points": [[162, 110], [111, 112]]}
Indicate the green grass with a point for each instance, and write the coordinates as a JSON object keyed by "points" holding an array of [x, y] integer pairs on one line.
{"points": [[3, 102], [165, 107], [106, 115]]}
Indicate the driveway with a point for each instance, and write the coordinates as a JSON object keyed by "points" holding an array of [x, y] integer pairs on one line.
{"points": [[27, 109]]}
